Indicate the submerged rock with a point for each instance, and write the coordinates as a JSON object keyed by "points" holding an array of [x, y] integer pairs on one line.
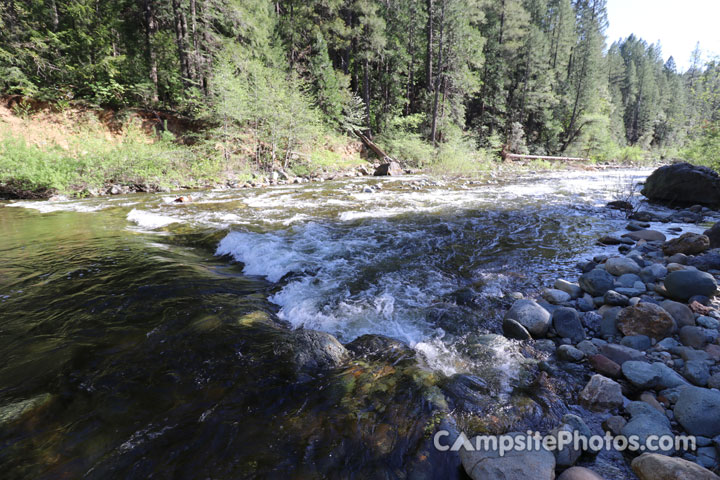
{"points": [[379, 347], [311, 349]]}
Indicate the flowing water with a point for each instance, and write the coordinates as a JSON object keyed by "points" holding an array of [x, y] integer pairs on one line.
{"points": [[141, 337]]}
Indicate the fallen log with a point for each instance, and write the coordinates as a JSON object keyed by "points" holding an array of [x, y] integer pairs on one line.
{"points": [[514, 156], [372, 146]]}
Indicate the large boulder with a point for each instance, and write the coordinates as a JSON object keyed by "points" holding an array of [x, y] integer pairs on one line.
{"points": [[516, 464], [698, 411], [390, 168], [713, 234], [601, 394], [654, 466], [687, 243], [531, 316], [646, 319], [683, 284], [683, 184], [596, 282]]}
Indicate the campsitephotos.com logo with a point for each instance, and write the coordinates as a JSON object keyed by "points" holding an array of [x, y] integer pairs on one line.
{"points": [[534, 441]]}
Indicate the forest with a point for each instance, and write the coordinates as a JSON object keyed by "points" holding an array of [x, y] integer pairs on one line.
{"points": [[423, 78]]}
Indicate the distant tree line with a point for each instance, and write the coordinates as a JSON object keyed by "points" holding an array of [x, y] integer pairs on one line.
{"points": [[530, 74]]}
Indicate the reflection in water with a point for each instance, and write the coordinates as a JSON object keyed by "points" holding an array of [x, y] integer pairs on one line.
{"points": [[146, 338]]}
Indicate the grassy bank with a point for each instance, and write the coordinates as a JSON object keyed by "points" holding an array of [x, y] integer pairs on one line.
{"points": [[79, 152]]}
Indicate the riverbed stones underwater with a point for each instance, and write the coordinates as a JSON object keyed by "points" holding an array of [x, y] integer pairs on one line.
{"points": [[652, 351]]}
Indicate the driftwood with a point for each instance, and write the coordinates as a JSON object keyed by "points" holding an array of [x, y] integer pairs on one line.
{"points": [[514, 156], [372, 146]]}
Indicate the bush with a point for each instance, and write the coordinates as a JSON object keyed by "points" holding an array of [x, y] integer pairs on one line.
{"points": [[705, 150], [91, 161]]}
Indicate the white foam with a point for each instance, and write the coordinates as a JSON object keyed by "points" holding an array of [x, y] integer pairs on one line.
{"points": [[150, 220], [59, 206]]}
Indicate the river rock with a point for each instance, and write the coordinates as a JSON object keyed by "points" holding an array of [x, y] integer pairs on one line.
{"points": [[604, 366], [645, 421], [655, 466], [713, 234], [621, 265], [697, 372], [596, 282], [579, 473], [645, 319], [641, 374], [680, 312], [601, 394], [513, 329], [683, 184], [653, 272], [669, 378], [705, 262], [687, 244], [570, 353], [683, 284], [555, 296], [531, 316], [514, 465], [695, 337], [616, 299], [698, 411], [647, 235], [567, 324], [570, 288], [391, 168], [620, 353], [638, 342]]}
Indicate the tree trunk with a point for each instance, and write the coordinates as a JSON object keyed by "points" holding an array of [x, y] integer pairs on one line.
{"points": [[366, 95], [429, 56], [436, 88], [180, 40], [150, 29]]}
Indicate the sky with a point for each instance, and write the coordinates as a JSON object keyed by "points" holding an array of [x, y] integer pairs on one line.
{"points": [[677, 24]]}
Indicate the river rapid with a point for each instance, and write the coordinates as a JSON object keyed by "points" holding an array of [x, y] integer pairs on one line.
{"points": [[143, 337]]}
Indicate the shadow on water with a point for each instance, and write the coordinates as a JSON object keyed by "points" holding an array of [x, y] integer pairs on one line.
{"points": [[131, 354]]}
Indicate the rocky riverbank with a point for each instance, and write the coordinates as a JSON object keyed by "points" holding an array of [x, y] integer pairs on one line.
{"points": [[645, 324]]}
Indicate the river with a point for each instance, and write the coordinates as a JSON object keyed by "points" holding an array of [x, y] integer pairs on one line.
{"points": [[140, 336]]}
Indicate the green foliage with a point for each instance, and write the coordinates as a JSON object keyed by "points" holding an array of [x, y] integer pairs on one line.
{"points": [[252, 95], [705, 150], [403, 141], [92, 161]]}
